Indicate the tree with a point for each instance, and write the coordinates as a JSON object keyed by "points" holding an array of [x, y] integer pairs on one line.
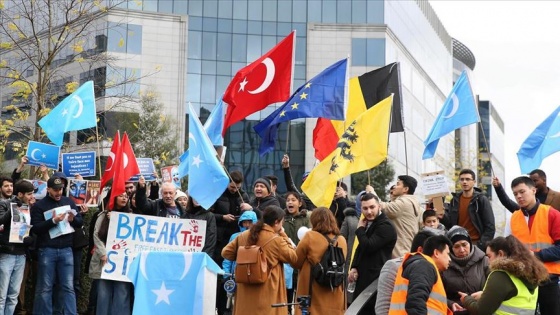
{"points": [[154, 137], [379, 177], [44, 44]]}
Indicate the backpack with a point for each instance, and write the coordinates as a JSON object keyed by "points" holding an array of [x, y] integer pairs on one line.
{"points": [[251, 265], [329, 272]]}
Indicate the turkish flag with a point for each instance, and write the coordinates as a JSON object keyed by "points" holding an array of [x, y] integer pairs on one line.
{"points": [[265, 81], [125, 166], [109, 166]]}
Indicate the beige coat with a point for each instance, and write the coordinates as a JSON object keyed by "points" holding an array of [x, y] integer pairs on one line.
{"points": [[310, 250], [405, 213], [252, 299], [99, 250]]}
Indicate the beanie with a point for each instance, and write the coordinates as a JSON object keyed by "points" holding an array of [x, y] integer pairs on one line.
{"points": [[180, 194], [458, 233], [264, 182]]}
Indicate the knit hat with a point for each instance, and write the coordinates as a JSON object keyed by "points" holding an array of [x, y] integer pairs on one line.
{"points": [[180, 194], [263, 181], [458, 233]]}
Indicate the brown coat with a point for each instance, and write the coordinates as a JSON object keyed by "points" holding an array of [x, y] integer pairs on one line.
{"points": [[310, 250], [553, 199], [258, 298]]}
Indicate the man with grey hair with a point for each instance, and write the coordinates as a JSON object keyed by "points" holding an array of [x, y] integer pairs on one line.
{"points": [[164, 207]]}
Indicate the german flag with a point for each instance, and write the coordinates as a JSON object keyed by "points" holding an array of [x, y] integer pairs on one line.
{"points": [[364, 92]]}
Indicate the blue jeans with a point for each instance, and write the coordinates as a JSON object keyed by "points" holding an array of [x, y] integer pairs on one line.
{"points": [[113, 297], [54, 263], [11, 274]]}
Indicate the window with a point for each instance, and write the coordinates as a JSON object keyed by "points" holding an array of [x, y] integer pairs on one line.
{"points": [[368, 52], [124, 38]]}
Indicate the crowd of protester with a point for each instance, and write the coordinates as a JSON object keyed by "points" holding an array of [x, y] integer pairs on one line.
{"points": [[411, 259]]}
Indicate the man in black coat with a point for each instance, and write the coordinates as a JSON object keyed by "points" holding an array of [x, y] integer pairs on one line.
{"points": [[164, 207], [377, 237]]}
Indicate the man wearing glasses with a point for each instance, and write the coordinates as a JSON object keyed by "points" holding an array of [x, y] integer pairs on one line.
{"points": [[471, 209]]}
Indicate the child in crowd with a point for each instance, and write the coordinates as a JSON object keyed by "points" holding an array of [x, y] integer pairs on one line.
{"points": [[431, 220]]}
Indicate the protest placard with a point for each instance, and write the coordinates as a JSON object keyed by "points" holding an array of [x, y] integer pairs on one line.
{"points": [[93, 193], [435, 184], [130, 234], [82, 163], [147, 169], [20, 225], [39, 188], [170, 174], [63, 227], [42, 154], [77, 190]]}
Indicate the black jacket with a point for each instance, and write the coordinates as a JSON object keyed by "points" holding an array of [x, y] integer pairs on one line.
{"points": [[290, 186], [6, 219], [199, 213], [41, 226], [337, 207], [259, 204], [375, 248], [153, 207], [480, 212], [227, 203], [421, 276]]}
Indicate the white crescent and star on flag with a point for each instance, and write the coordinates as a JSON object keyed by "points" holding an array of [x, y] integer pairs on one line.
{"points": [[43, 155], [196, 159], [79, 102], [270, 72], [455, 108]]}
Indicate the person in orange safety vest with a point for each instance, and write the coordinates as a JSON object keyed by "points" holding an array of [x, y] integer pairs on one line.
{"points": [[418, 287]]}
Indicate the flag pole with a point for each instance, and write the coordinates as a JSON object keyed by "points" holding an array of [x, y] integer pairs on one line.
{"points": [[288, 137], [99, 160], [484, 138]]}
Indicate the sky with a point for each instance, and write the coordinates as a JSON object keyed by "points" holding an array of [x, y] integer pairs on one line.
{"points": [[517, 49]]}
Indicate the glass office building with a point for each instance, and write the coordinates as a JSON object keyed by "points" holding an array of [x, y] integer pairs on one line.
{"points": [[226, 35]]}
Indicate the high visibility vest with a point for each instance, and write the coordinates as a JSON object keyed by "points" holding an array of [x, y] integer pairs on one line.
{"points": [[437, 302], [524, 303], [538, 238]]}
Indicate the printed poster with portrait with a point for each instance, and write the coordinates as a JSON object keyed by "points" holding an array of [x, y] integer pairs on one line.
{"points": [[84, 192], [93, 192], [170, 174], [21, 223], [39, 188]]}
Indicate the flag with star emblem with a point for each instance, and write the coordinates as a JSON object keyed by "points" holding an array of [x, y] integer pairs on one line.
{"points": [[207, 177], [75, 112], [265, 81], [363, 145], [187, 286], [322, 96], [542, 142], [43, 154]]}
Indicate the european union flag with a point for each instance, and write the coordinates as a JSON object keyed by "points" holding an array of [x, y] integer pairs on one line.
{"points": [[322, 96], [187, 286], [207, 177], [75, 112], [544, 141], [42, 153], [459, 110]]}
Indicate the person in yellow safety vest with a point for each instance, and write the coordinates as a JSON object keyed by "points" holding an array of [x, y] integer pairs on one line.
{"points": [[512, 286], [538, 226], [418, 287]]}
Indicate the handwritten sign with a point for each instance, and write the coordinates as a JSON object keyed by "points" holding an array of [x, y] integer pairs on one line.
{"points": [[130, 234], [82, 163], [434, 184]]}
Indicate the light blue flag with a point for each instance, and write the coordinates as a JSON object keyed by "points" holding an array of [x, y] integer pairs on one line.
{"points": [[41, 153], [215, 123], [213, 127], [75, 112], [544, 141], [207, 177], [459, 110], [173, 283]]}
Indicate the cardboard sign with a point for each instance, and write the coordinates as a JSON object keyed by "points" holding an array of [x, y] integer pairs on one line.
{"points": [[130, 234], [41, 153]]}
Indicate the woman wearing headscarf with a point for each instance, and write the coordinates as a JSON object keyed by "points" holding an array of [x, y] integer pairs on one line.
{"points": [[467, 270]]}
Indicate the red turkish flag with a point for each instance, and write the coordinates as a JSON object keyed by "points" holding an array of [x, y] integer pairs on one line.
{"points": [[125, 166], [109, 166], [265, 81]]}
